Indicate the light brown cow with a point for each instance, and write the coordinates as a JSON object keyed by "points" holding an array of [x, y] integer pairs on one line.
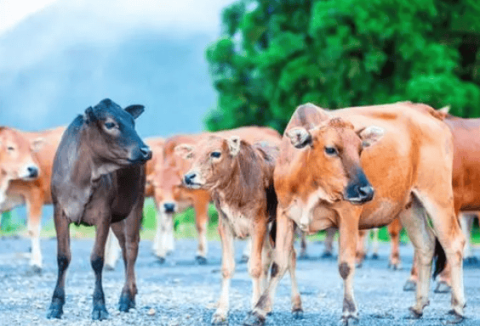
{"points": [[35, 193], [321, 182], [239, 176], [465, 179], [16, 159], [172, 197]]}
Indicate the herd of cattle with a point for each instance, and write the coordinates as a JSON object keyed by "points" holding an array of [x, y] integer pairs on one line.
{"points": [[403, 165]]}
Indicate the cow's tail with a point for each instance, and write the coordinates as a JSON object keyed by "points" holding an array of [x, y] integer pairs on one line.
{"points": [[440, 259]]}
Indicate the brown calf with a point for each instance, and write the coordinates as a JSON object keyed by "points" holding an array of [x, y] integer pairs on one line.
{"points": [[98, 179], [35, 193], [328, 167], [239, 177], [171, 196]]}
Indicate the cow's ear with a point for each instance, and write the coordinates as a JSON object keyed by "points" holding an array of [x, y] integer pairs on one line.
{"points": [[37, 144], [135, 110], [370, 135], [184, 151], [89, 115], [445, 109], [299, 137], [234, 145]]}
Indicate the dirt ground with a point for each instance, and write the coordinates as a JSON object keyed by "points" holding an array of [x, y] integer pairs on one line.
{"points": [[180, 292]]}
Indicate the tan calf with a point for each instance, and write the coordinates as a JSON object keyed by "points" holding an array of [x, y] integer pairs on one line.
{"points": [[171, 196], [329, 174], [35, 193], [239, 176]]}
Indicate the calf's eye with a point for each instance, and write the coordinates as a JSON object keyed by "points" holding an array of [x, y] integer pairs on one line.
{"points": [[10, 148], [109, 125], [215, 154], [330, 151]]}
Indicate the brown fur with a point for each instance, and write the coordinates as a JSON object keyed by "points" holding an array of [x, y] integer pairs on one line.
{"points": [[239, 180]]}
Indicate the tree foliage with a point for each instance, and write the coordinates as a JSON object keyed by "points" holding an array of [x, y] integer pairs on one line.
{"points": [[277, 54]]}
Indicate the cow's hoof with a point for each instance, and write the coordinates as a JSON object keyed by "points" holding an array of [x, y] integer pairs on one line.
{"points": [[410, 286], [453, 318], [303, 256], [55, 311], [254, 319], [442, 287], [36, 269], [161, 260], [326, 254], [359, 265], [348, 321], [375, 256], [125, 304], [244, 259], [201, 260], [470, 260], [394, 267], [219, 320], [413, 314], [297, 313], [99, 313]]}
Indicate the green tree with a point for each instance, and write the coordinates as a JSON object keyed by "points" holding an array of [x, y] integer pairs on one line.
{"points": [[277, 54]]}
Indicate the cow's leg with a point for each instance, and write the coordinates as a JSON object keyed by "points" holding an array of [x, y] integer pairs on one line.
{"points": [[412, 281], [328, 252], [303, 245], [267, 258], [282, 258], [255, 261], [361, 244], [201, 220], [97, 261], [296, 299], [452, 240], [394, 230], [112, 250], [132, 239], [158, 233], [34, 207], [375, 243], [161, 234], [466, 222], [63, 260], [444, 284], [247, 250], [348, 232], [228, 268], [170, 237]]}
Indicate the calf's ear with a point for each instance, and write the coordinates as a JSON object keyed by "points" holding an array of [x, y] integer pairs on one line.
{"points": [[135, 110], [234, 145], [37, 144], [299, 137], [185, 151], [370, 135], [89, 115]]}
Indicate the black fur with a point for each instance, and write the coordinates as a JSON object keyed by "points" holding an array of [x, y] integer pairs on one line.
{"points": [[440, 259]]}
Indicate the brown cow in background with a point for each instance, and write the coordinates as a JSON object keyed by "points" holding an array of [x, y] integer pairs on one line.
{"points": [[35, 193], [172, 197], [329, 175]]}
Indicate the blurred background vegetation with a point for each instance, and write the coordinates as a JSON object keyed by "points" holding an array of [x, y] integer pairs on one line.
{"points": [[273, 55]]}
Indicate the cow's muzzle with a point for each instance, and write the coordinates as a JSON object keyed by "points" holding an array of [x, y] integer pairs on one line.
{"points": [[360, 194]]}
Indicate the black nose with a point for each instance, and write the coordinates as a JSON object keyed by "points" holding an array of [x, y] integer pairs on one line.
{"points": [[146, 153], [32, 172], [188, 178], [169, 207], [366, 193]]}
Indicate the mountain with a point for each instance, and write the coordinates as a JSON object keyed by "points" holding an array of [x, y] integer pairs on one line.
{"points": [[71, 55]]}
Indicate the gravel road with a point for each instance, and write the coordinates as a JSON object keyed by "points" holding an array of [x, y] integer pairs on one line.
{"points": [[183, 293]]}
